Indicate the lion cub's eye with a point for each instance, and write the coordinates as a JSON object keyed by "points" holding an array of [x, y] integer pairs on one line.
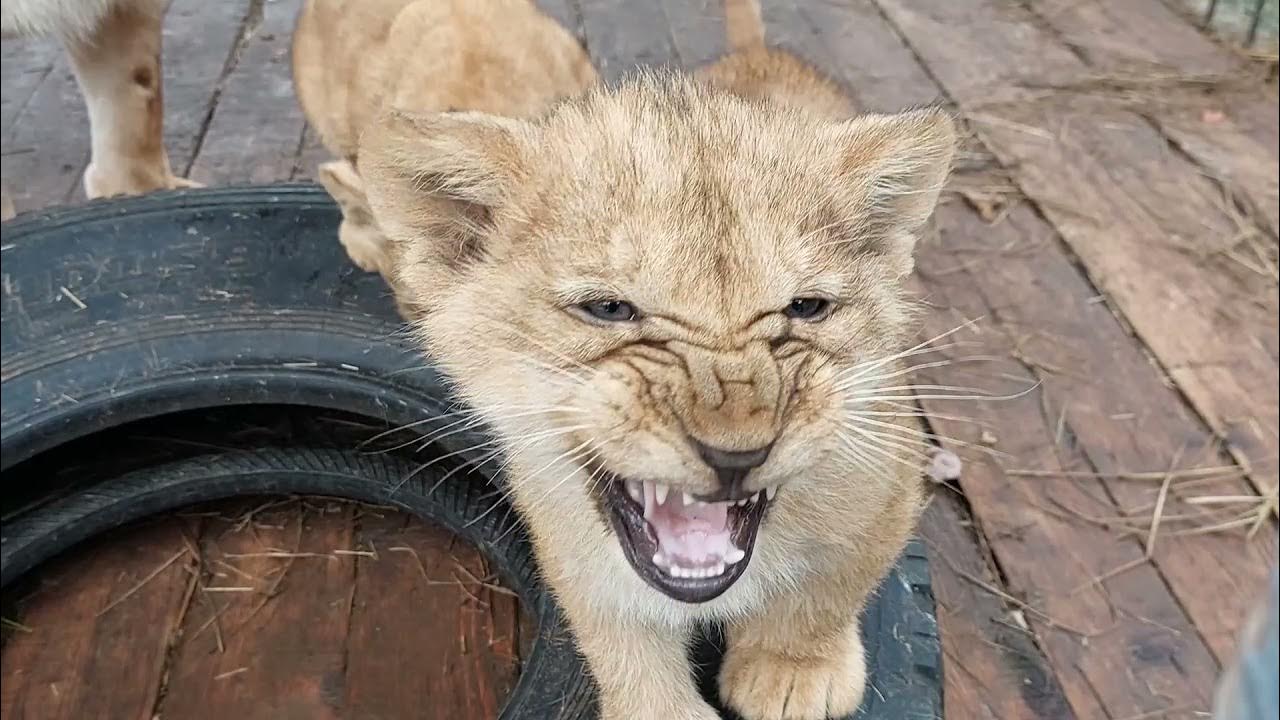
{"points": [[811, 309], [609, 310]]}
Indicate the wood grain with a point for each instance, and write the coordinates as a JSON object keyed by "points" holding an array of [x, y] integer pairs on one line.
{"points": [[1144, 221], [100, 624], [991, 664], [697, 30], [256, 130], [266, 637], [47, 146], [422, 627], [1207, 99], [621, 35]]}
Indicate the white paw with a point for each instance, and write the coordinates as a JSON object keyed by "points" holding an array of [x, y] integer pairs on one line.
{"points": [[366, 254], [100, 182], [761, 685], [181, 183]]}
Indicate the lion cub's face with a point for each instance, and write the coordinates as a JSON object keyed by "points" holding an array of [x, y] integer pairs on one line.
{"points": [[664, 299]]}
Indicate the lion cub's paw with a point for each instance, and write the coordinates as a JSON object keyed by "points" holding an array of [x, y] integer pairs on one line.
{"points": [[100, 182], [181, 183], [761, 685], [364, 251]]}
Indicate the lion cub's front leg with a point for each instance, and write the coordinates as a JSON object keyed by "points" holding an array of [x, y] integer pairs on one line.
{"points": [[797, 661], [118, 69], [641, 669]]}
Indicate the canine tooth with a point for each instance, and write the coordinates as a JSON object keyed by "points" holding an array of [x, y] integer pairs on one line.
{"points": [[688, 499], [771, 491], [659, 560], [660, 492], [635, 491], [734, 556]]}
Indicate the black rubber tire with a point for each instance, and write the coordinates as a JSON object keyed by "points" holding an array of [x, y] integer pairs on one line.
{"points": [[127, 309], [553, 684], [124, 310]]}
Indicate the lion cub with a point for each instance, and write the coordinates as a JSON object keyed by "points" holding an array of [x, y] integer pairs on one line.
{"points": [[690, 291], [354, 59]]}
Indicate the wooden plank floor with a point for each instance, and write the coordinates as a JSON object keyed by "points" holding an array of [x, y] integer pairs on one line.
{"points": [[1110, 234]]}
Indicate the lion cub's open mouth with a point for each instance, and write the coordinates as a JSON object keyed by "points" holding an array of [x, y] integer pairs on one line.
{"points": [[689, 549]]}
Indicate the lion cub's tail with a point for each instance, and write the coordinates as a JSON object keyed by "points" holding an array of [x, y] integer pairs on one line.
{"points": [[744, 25]]}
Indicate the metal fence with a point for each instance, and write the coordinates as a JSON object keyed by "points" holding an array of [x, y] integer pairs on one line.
{"points": [[1251, 24]]}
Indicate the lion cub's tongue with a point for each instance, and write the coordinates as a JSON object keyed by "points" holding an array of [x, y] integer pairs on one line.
{"points": [[691, 535]]}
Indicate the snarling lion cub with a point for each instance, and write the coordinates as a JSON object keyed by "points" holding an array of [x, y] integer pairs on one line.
{"points": [[679, 303], [352, 59]]}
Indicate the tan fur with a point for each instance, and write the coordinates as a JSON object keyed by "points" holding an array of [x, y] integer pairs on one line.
{"points": [[114, 47], [767, 74], [352, 59], [757, 72], [709, 205]]}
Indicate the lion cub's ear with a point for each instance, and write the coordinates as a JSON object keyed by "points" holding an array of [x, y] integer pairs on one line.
{"points": [[893, 168], [436, 182]]}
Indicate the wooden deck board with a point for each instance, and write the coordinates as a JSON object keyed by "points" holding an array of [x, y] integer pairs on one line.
{"points": [[992, 666], [23, 65], [256, 130], [200, 38], [301, 631], [621, 35], [697, 30], [1101, 660], [1142, 220], [99, 624], [1202, 95], [310, 155], [47, 147], [266, 636], [437, 614]]}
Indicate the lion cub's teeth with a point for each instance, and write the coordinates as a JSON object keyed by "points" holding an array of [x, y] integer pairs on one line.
{"points": [[635, 491], [660, 492], [771, 491], [734, 556], [688, 499]]}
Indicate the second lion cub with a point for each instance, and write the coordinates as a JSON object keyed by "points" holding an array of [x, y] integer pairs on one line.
{"points": [[354, 59]]}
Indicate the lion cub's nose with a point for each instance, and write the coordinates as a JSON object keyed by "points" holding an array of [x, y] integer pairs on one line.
{"points": [[731, 467]]}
